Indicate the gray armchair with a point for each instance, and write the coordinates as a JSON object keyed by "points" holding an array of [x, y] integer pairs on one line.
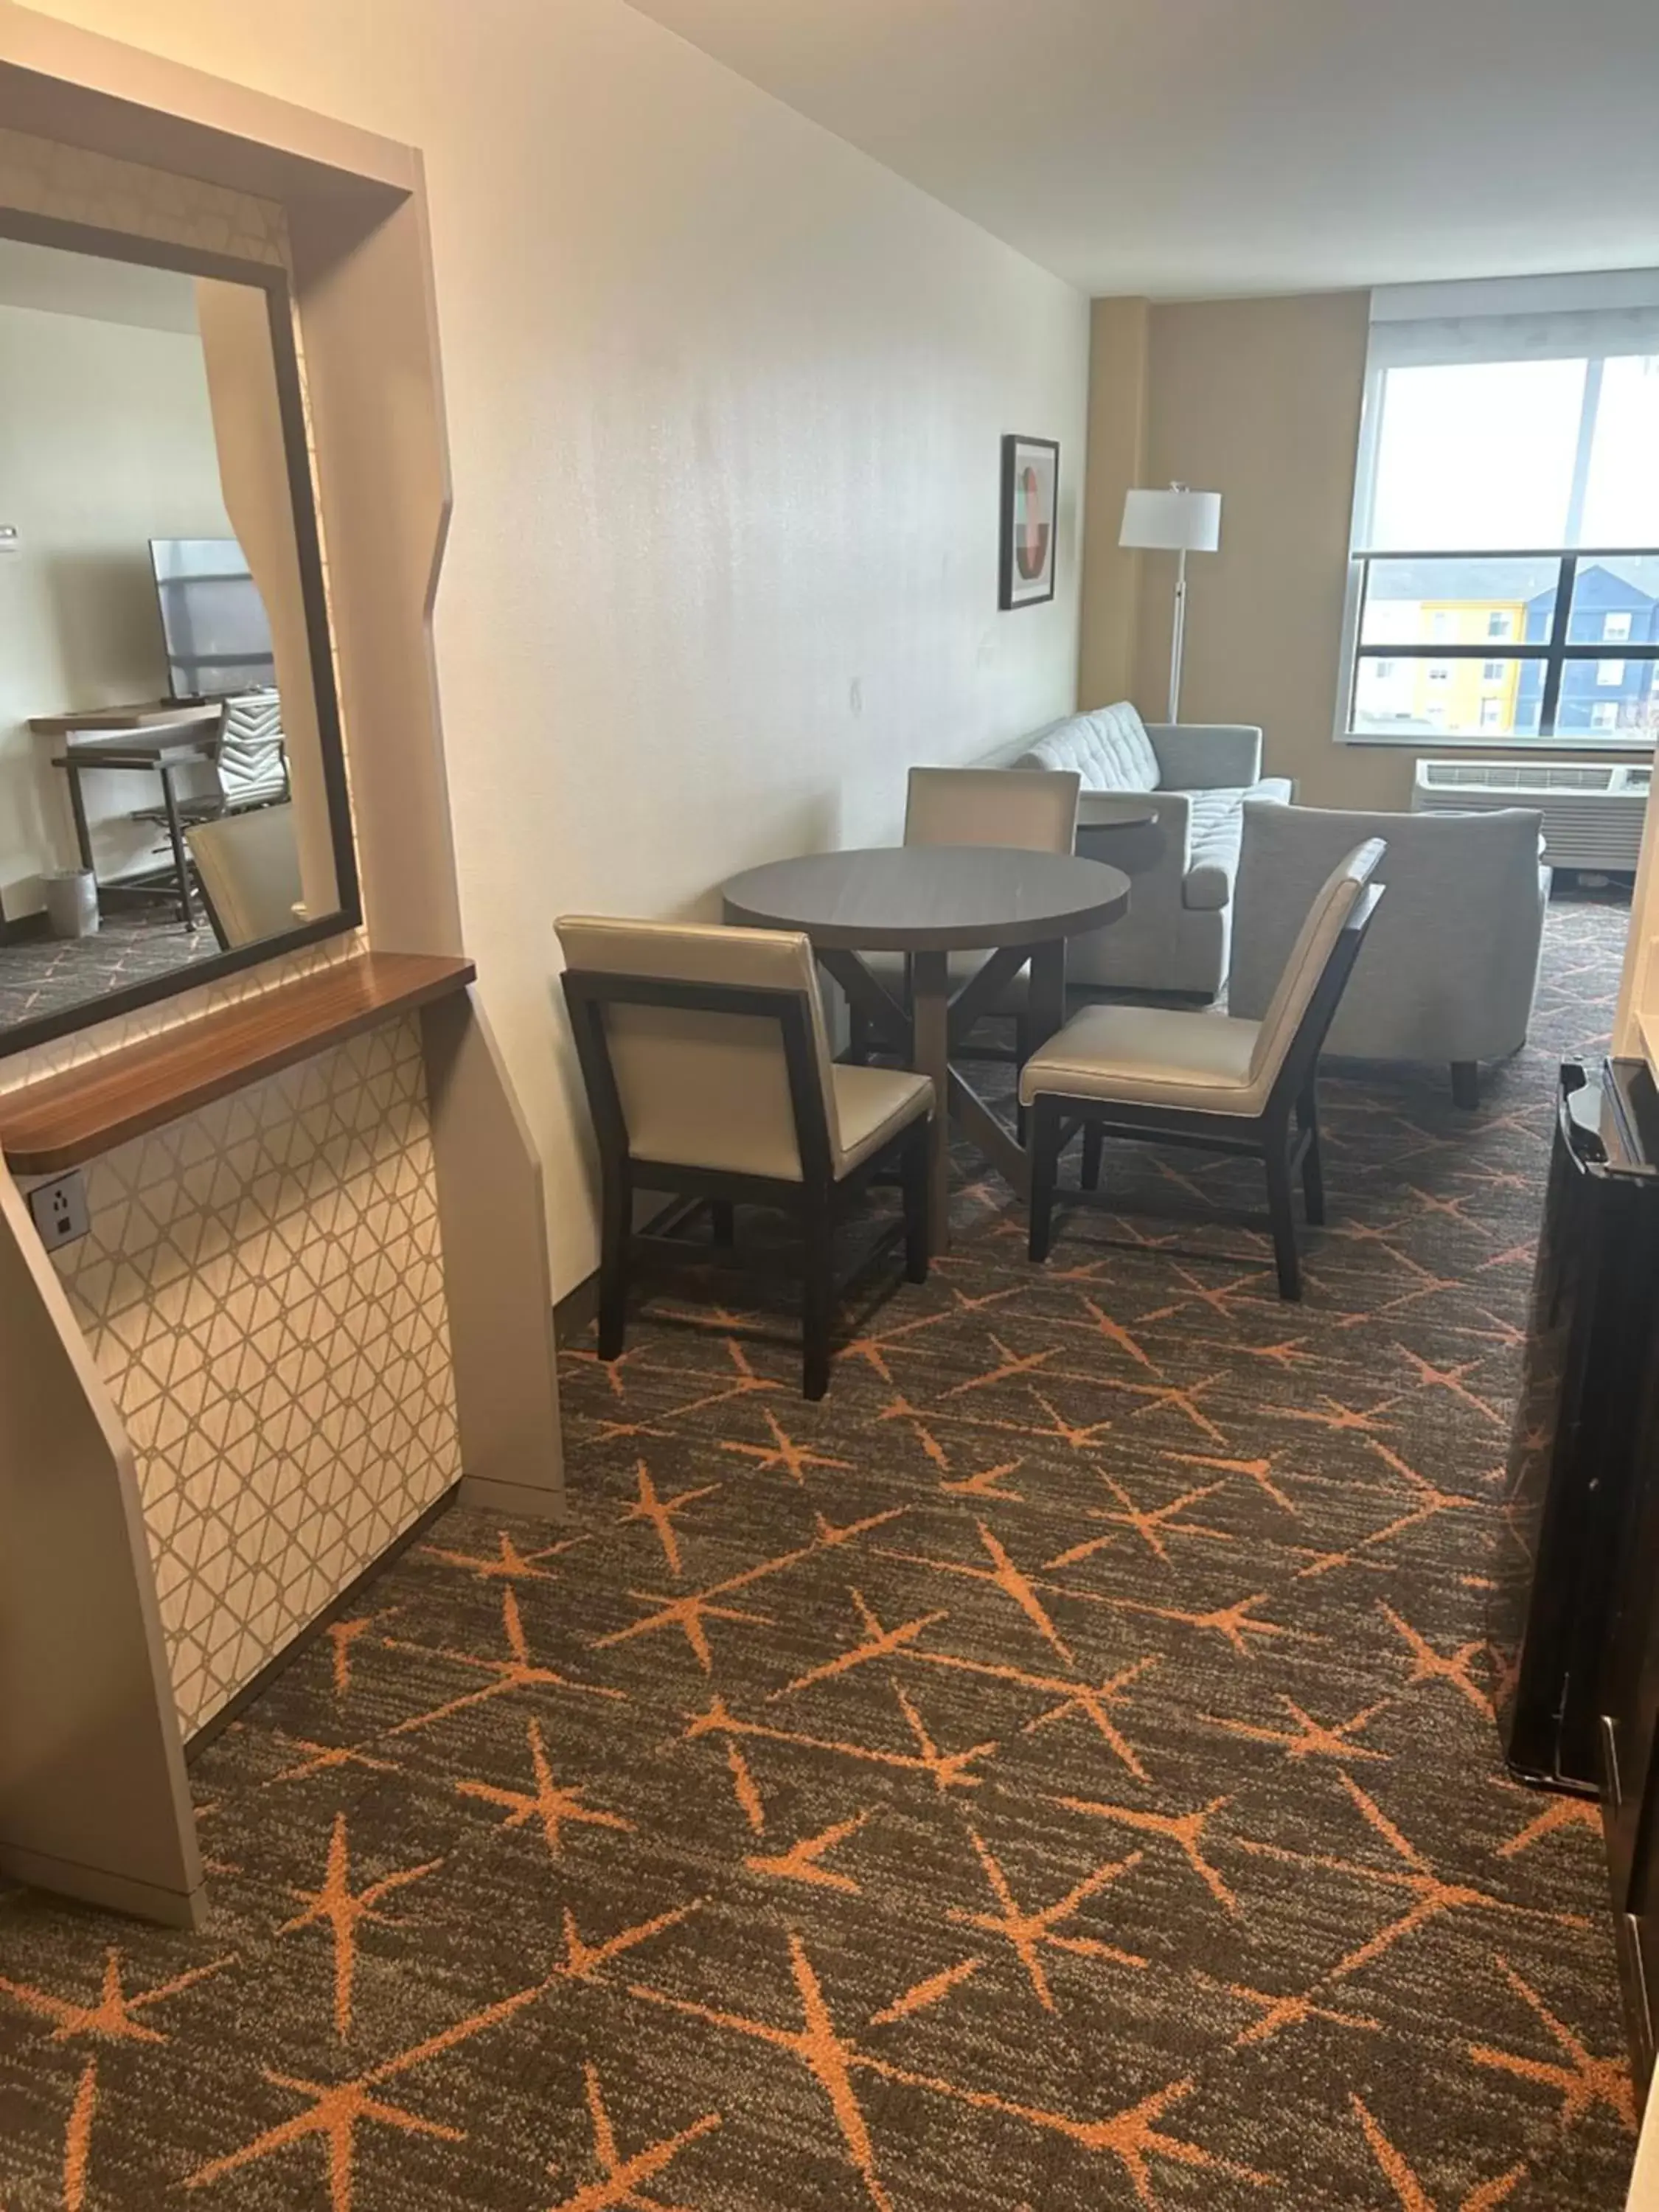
{"points": [[1450, 966], [1194, 778]]}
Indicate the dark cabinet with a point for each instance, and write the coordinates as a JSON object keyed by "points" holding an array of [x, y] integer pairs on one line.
{"points": [[1628, 1736], [1593, 1324]]}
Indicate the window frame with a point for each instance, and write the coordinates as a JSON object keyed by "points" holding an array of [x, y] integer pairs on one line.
{"points": [[1556, 653]]}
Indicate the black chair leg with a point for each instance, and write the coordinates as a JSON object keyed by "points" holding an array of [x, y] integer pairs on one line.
{"points": [[723, 1221], [859, 1036], [1093, 1148], [1045, 1160], [616, 1240], [1022, 1054], [1282, 1214], [913, 1173], [1313, 1165], [817, 1304], [1466, 1083]]}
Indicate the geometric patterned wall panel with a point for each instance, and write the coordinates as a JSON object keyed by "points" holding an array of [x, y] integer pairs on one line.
{"points": [[262, 1293]]}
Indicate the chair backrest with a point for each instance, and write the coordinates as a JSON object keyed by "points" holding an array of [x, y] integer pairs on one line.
{"points": [[1034, 810], [1327, 941], [248, 868], [250, 757], [1449, 969], [703, 1047], [1108, 745]]}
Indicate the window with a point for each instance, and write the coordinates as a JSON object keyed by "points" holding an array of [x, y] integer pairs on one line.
{"points": [[1604, 714], [1507, 488]]}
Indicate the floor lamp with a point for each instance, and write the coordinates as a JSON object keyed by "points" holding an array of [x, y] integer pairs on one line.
{"points": [[1177, 521]]}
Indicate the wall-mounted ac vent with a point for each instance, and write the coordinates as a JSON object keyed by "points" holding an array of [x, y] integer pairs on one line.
{"points": [[1592, 813]]}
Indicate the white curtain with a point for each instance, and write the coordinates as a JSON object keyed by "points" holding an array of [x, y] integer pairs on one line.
{"points": [[1516, 319]]}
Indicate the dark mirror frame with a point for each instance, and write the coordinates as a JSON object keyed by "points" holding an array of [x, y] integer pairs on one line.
{"points": [[273, 282]]}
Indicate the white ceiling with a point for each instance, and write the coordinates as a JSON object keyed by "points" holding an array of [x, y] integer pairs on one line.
{"points": [[1187, 148], [62, 284]]}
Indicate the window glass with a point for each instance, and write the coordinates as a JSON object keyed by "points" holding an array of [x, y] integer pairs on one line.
{"points": [[1458, 602], [1449, 698], [1622, 494], [1478, 455], [1615, 599], [1480, 483], [1615, 696]]}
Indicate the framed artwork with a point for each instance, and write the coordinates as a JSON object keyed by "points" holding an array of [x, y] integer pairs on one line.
{"points": [[1030, 497]]}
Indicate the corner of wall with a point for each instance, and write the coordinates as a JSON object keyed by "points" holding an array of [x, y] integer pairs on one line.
{"points": [[1118, 346]]}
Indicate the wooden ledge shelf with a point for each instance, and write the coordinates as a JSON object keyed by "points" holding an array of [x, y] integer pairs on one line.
{"points": [[66, 1120]]}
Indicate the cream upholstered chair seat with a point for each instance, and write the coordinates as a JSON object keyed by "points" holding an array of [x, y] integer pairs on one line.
{"points": [[1214, 1080], [1158, 1055], [872, 1104], [704, 1126], [706, 1061]]}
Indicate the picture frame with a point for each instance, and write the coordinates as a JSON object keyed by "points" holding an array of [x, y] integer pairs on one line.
{"points": [[1029, 521]]}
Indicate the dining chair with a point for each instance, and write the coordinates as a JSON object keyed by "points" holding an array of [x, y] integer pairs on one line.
{"points": [[1215, 1081], [707, 1064], [247, 870], [247, 758], [1034, 810]]}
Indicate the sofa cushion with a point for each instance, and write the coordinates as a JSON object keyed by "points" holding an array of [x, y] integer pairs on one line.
{"points": [[1109, 749]]}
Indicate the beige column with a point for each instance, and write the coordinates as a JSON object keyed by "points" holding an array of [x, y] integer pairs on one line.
{"points": [[1119, 331]]}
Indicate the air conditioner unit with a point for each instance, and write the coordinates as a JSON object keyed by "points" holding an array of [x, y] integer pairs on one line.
{"points": [[1592, 814]]}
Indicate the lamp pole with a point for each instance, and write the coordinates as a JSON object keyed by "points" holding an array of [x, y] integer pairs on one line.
{"points": [[1180, 521], [1178, 634]]}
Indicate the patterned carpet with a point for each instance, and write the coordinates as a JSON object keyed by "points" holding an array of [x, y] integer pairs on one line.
{"points": [[1055, 1772], [48, 974]]}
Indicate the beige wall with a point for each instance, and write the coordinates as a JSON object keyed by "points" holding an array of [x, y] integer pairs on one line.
{"points": [[725, 398], [105, 441]]}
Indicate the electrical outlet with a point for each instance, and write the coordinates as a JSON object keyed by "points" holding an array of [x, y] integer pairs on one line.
{"points": [[60, 1209]]}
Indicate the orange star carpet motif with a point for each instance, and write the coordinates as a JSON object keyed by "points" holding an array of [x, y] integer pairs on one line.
{"points": [[1057, 1772]]}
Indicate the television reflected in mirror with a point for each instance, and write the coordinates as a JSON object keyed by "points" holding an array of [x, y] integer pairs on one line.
{"points": [[172, 801]]}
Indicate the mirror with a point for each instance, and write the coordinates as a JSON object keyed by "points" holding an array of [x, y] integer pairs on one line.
{"points": [[172, 788]]}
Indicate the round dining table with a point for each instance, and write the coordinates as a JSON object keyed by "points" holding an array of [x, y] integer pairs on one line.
{"points": [[928, 901]]}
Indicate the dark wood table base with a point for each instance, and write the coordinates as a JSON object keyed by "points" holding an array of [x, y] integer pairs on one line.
{"points": [[933, 1032]]}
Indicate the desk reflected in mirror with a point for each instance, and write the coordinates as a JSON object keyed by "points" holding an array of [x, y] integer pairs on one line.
{"points": [[171, 793]]}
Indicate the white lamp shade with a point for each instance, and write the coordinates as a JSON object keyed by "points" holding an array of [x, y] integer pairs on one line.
{"points": [[1172, 521]]}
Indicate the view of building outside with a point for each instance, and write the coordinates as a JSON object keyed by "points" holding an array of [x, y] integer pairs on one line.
{"points": [[1491, 602]]}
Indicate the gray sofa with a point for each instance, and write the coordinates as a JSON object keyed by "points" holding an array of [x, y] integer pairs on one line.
{"points": [[1451, 965], [1182, 865]]}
